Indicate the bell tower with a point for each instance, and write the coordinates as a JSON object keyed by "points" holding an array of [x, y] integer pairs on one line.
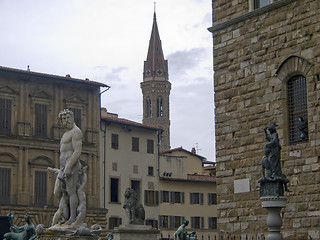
{"points": [[156, 88]]}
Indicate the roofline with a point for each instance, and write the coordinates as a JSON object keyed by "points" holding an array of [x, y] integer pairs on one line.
{"points": [[184, 150], [126, 122], [45, 75], [185, 180]]}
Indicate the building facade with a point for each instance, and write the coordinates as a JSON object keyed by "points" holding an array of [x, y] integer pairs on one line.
{"points": [[266, 71], [156, 88], [129, 159], [186, 193], [30, 140]]}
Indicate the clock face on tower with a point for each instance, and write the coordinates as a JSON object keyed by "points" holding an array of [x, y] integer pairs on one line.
{"points": [[148, 72], [159, 72]]}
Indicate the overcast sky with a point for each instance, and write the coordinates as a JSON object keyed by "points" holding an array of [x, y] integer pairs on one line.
{"points": [[107, 41]]}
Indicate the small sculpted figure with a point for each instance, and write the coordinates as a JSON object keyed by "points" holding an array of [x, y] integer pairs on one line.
{"points": [[182, 234], [303, 128], [26, 232], [134, 207], [110, 236]]}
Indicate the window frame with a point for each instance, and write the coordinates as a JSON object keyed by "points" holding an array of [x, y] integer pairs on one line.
{"points": [[114, 190], [151, 197], [5, 183], [40, 188], [297, 106], [212, 222], [212, 199], [164, 196], [114, 222], [6, 116], [115, 141], [150, 146], [41, 120], [135, 144]]}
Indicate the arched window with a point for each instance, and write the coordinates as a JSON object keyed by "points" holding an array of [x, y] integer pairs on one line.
{"points": [[159, 107], [297, 109], [149, 112]]}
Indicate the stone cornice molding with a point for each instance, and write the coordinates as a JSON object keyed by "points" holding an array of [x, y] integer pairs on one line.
{"points": [[249, 15]]}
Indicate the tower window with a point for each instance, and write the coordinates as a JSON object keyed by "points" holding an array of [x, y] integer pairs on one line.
{"points": [[149, 108], [159, 107], [297, 109]]}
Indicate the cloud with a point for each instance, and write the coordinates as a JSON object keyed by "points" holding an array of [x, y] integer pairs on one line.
{"points": [[182, 61]]}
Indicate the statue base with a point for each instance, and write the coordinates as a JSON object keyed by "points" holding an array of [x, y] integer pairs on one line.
{"points": [[271, 187], [272, 197], [63, 232], [135, 232]]}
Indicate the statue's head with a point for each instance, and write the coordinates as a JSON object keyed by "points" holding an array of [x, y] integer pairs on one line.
{"points": [[186, 222], [130, 193], [272, 128], [27, 217], [66, 117]]}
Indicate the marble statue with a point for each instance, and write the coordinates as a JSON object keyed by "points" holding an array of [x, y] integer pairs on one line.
{"points": [[71, 177], [26, 232], [134, 207]]}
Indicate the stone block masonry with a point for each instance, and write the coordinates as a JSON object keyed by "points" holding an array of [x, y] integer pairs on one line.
{"points": [[255, 53]]}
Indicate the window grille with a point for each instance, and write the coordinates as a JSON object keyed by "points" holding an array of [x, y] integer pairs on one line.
{"points": [[297, 108], [114, 222]]}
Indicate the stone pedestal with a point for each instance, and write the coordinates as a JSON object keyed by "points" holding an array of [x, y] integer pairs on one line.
{"points": [[272, 197], [135, 232]]}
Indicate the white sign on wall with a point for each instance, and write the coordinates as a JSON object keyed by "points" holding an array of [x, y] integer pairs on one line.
{"points": [[241, 185]]}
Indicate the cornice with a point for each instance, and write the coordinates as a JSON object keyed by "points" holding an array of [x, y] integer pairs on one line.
{"points": [[249, 15]]}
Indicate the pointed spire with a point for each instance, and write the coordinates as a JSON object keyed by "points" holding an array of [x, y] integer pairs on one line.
{"points": [[155, 67]]}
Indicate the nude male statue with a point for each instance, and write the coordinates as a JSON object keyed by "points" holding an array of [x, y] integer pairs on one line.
{"points": [[68, 175]]}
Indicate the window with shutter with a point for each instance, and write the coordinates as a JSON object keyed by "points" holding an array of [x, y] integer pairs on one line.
{"points": [[5, 186], [41, 118], [5, 116], [40, 193]]}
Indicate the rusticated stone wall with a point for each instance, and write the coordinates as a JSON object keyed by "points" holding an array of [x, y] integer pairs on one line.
{"points": [[255, 53]]}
